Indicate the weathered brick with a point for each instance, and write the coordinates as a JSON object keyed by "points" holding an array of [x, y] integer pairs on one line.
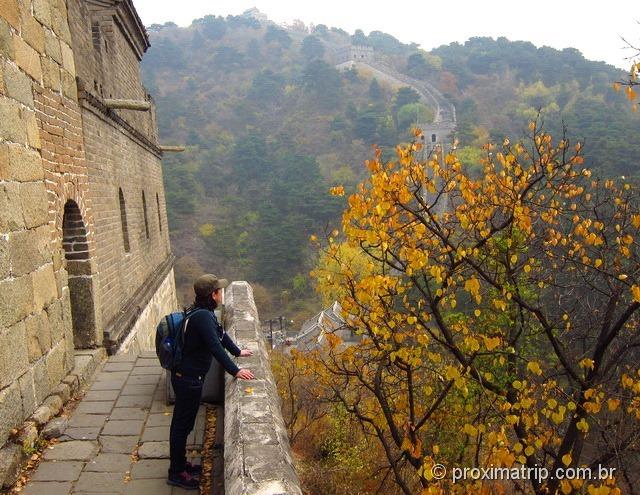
{"points": [[40, 380], [4, 162], [28, 392], [10, 410], [6, 42], [59, 20], [13, 354], [5, 261], [9, 10], [31, 124], [52, 47], [51, 74], [44, 287], [27, 58], [33, 33], [35, 206], [38, 336], [56, 365], [42, 11], [17, 85], [67, 59], [69, 87], [57, 323], [11, 457], [11, 217], [25, 164], [16, 296], [12, 128], [28, 250]]}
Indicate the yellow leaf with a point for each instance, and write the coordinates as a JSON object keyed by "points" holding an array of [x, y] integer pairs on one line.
{"points": [[631, 94], [583, 426], [635, 291], [472, 285], [472, 344], [452, 373], [470, 430], [534, 367], [491, 342], [337, 191], [566, 459], [586, 363], [613, 404], [566, 487]]}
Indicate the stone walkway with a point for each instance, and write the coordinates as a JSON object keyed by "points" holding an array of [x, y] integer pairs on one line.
{"points": [[116, 440]]}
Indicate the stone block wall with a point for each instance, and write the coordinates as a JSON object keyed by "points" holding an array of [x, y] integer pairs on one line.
{"points": [[257, 455], [66, 282], [36, 77]]}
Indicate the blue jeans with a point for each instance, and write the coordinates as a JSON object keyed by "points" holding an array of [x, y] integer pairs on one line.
{"points": [[188, 392]]}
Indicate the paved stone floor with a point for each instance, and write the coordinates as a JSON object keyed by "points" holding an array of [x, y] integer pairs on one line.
{"points": [[123, 412]]}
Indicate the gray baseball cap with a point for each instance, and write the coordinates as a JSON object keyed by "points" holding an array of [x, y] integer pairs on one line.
{"points": [[206, 284]]}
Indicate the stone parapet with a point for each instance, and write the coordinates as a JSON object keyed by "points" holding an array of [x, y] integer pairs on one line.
{"points": [[257, 455]]}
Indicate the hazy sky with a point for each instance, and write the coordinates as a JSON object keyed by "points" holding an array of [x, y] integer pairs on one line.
{"points": [[593, 27]]}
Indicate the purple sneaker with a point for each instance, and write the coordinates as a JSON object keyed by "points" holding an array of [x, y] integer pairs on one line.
{"points": [[183, 480]]}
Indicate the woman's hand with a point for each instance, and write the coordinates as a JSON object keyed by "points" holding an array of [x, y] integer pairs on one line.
{"points": [[245, 374], [246, 353]]}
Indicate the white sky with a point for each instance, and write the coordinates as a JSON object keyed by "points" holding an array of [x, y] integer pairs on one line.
{"points": [[592, 26]]}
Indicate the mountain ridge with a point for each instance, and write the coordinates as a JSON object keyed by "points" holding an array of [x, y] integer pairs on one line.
{"points": [[255, 102]]}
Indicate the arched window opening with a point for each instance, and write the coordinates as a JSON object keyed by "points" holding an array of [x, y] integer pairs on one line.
{"points": [[75, 245]]}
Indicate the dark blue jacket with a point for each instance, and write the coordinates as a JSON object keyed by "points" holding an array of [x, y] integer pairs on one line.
{"points": [[204, 339]]}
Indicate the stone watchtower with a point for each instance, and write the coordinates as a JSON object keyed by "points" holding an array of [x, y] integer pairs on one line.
{"points": [[354, 53], [85, 260], [437, 137]]}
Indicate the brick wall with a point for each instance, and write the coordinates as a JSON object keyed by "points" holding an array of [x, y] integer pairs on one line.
{"points": [[107, 66], [115, 163], [121, 154]]}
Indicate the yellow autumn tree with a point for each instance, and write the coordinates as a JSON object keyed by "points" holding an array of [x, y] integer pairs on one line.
{"points": [[498, 318], [632, 81]]}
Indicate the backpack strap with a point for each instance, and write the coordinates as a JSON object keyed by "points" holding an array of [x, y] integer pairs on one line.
{"points": [[186, 322]]}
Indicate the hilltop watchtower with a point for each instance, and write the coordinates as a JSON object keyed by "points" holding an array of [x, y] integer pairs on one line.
{"points": [[354, 53], [437, 138]]}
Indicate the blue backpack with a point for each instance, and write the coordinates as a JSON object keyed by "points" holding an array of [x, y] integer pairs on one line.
{"points": [[170, 339]]}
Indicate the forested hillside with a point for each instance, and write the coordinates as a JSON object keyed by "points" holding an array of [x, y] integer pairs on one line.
{"points": [[270, 125]]}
